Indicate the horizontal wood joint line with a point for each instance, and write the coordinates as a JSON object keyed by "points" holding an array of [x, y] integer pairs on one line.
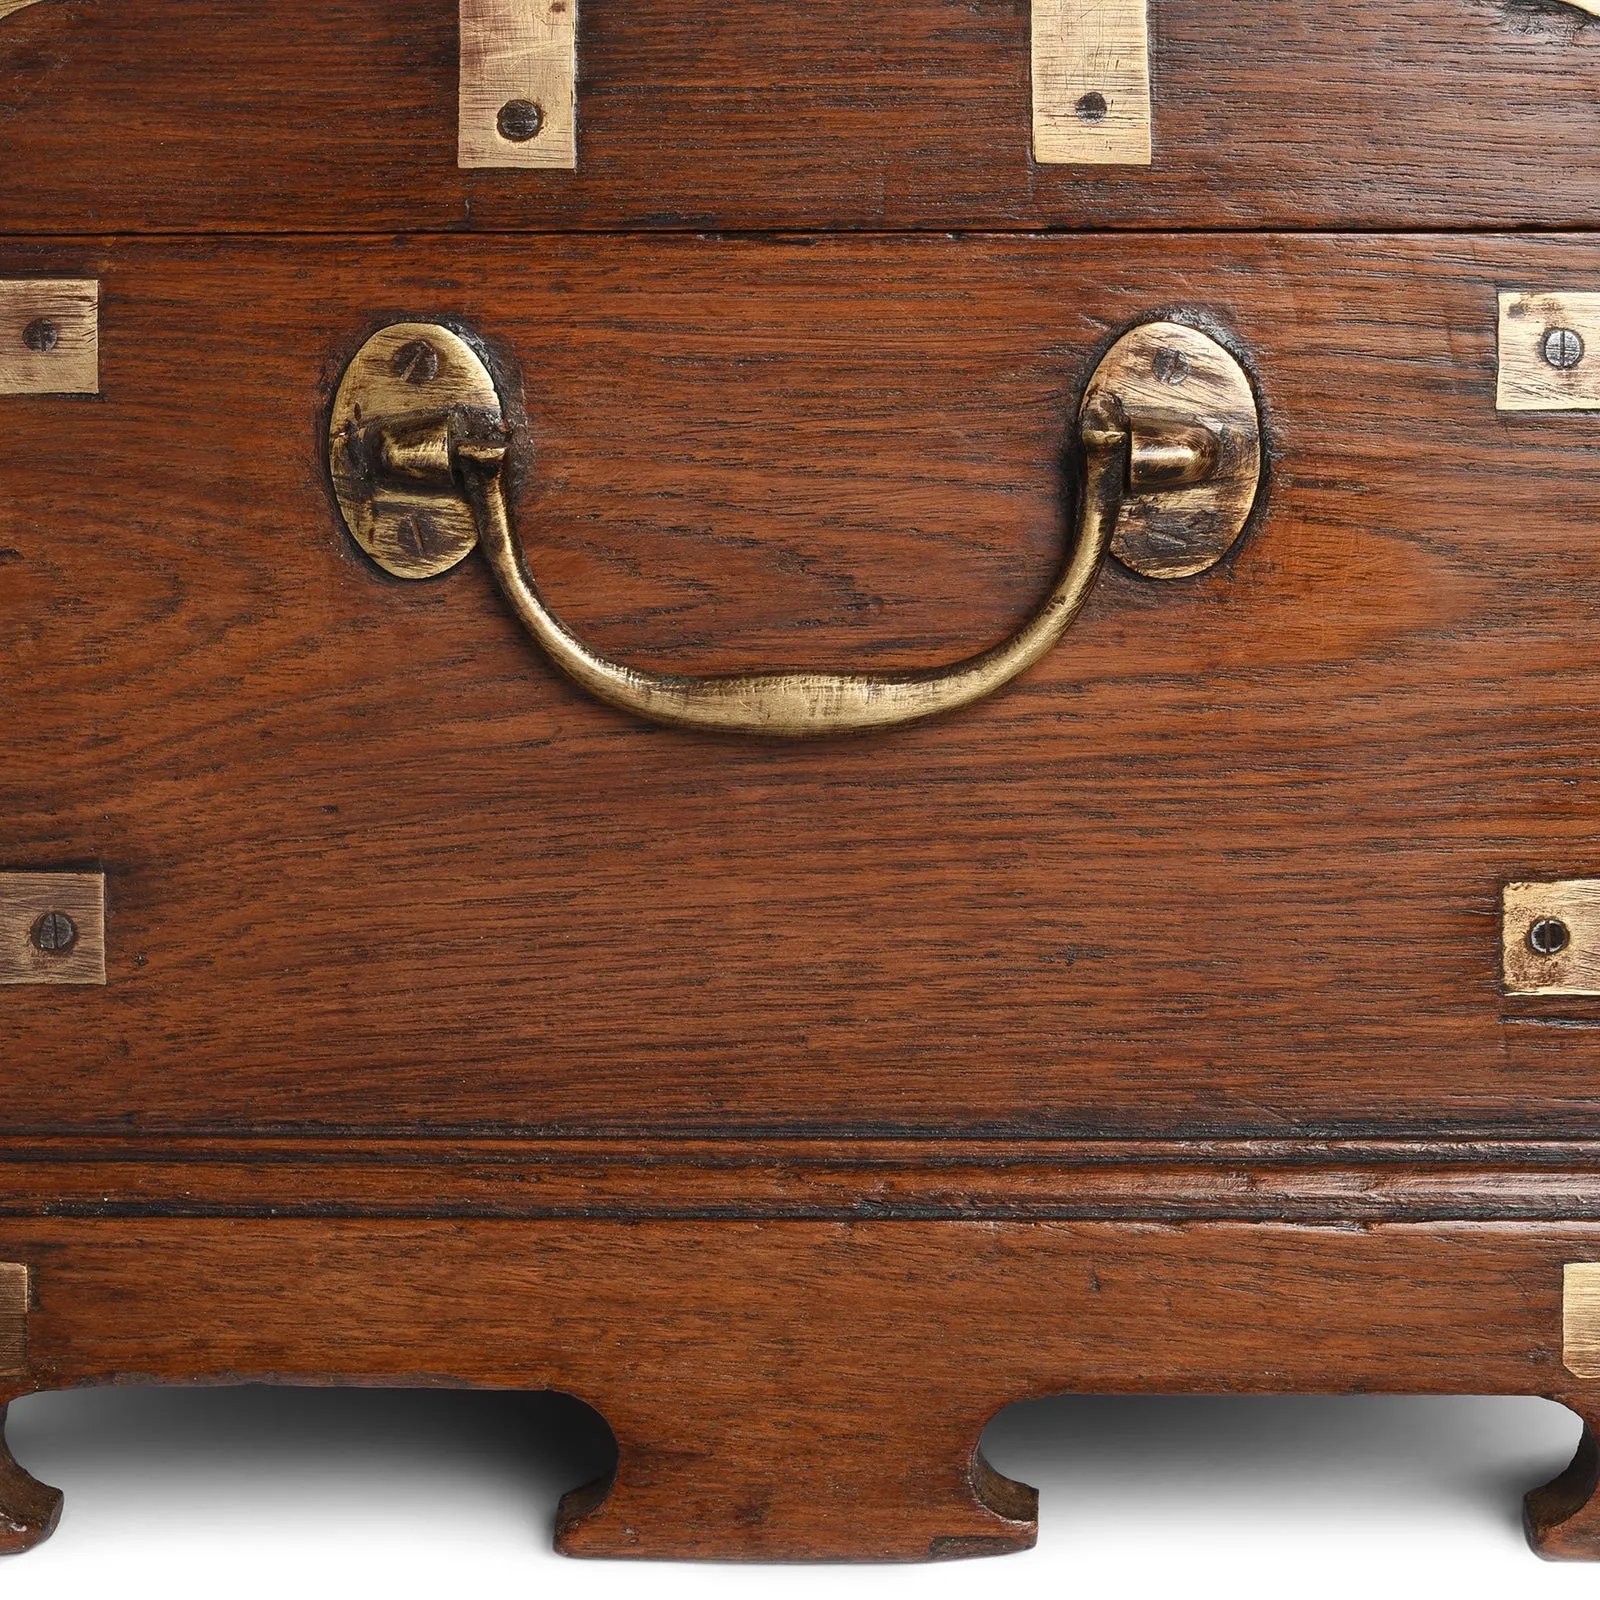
{"points": [[704, 1183]]}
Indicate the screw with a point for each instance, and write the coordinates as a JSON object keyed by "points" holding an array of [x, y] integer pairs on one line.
{"points": [[418, 536], [416, 362], [1092, 107], [1562, 348], [41, 336], [519, 121], [1170, 366], [1549, 936], [55, 933]]}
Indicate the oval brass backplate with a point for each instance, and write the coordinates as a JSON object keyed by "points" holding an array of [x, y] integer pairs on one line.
{"points": [[409, 369], [1175, 375]]}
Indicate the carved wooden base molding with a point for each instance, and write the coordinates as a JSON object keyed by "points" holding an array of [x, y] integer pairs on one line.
{"points": [[788, 1389]]}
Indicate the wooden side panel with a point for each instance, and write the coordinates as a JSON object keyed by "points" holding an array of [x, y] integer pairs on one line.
{"points": [[796, 113], [1230, 861]]}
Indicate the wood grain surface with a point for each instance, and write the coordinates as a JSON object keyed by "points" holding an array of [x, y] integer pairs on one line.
{"points": [[785, 1390], [326, 114], [1229, 863]]}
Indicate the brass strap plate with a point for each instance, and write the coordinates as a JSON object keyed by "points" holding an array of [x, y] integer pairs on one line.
{"points": [[49, 336], [519, 74], [13, 1318], [1091, 82], [52, 927], [1549, 352]]}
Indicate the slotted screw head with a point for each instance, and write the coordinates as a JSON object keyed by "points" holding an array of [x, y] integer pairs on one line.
{"points": [[1549, 936], [54, 933], [1562, 348], [519, 121], [41, 336], [1171, 366], [416, 362]]}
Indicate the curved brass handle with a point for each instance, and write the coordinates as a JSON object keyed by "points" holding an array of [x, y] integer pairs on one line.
{"points": [[382, 467], [800, 705]]}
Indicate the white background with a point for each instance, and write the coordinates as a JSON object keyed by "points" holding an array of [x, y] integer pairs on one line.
{"points": [[297, 1494]]}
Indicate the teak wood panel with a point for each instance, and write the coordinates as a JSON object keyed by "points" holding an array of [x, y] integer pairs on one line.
{"points": [[306, 115], [1229, 861]]}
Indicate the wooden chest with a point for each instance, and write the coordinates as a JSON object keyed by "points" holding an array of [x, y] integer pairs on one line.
{"points": [[801, 718]]}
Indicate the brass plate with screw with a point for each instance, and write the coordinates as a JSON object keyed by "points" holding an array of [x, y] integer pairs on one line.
{"points": [[49, 336], [410, 369], [1550, 937], [1091, 82], [518, 96], [1549, 352], [1168, 368], [13, 1319], [52, 927]]}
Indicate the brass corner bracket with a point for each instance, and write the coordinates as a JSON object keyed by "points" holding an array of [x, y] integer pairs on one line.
{"points": [[52, 927], [1550, 937], [14, 1287], [49, 335]]}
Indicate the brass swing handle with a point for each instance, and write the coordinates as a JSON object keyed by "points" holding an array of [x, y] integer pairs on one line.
{"points": [[463, 451], [810, 705]]}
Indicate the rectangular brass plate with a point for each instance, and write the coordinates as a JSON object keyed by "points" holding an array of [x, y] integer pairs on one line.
{"points": [[519, 53], [1580, 1318], [25, 897], [59, 316], [1528, 382], [1091, 82], [13, 1318], [1574, 969]]}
